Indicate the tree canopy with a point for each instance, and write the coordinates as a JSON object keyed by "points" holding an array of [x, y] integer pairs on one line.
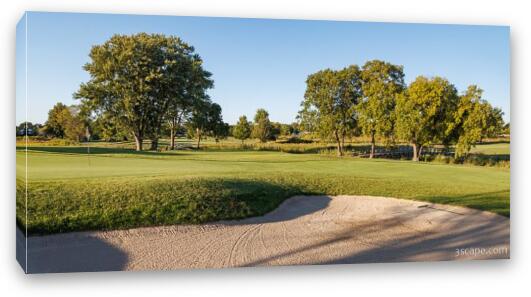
{"points": [[473, 120], [206, 120], [242, 130], [330, 101], [381, 83], [425, 112], [136, 78], [262, 125], [57, 119]]}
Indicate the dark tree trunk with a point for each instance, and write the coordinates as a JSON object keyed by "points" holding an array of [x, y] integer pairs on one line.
{"points": [[154, 143], [172, 138], [339, 147], [175, 123], [343, 142], [373, 144]]}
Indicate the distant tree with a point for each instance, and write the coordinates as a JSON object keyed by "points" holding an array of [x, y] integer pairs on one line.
{"points": [[262, 125], [473, 120], [58, 116], [285, 129], [506, 129], [242, 130], [329, 105], [27, 128], [425, 112], [221, 131], [293, 128], [206, 120], [75, 124], [218, 128], [495, 123], [381, 83], [135, 78], [66, 122], [276, 131]]}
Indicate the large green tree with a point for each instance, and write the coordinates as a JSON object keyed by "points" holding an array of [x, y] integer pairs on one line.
{"points": [[330, 103], [381, 83], [474, 119], [425, 112], [134, 78], [261, 125], [242, 130]]}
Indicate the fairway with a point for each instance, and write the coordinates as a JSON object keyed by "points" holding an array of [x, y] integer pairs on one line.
{"points": [[501, 148], [70, 190]]}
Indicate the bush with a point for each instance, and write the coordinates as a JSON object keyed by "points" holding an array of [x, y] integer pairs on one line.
{"points": [[45, 141], [486, 160], [296, 140], [473, 159], [443, 159]]}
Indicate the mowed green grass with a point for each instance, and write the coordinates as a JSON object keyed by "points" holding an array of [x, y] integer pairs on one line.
{"points": [[492, 149], [70, 190]]}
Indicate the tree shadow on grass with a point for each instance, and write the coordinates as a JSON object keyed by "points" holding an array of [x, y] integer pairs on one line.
{"points": [[83, 150], [290, 209], [183, 155], [494, 157]]}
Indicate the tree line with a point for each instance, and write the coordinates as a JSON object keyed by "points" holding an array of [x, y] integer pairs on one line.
{"points": [[69, 123], [262, 128], [148, 86], [373, 100]]}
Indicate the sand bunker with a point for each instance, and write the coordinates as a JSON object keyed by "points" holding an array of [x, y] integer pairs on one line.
{"points": [[303, 230]]}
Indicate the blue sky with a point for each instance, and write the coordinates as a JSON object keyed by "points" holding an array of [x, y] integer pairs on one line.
{"points": [[261, 63]]}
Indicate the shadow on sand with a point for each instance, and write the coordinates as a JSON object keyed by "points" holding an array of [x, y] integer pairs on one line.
{"points": [[50, 254], [464, 232]]}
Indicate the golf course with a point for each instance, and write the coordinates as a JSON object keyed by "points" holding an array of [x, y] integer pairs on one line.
{"points": [[105, 186], [165, 154]]}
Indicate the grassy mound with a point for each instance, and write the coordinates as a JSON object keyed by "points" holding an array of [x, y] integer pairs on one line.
{"points": [[116, 204]]}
